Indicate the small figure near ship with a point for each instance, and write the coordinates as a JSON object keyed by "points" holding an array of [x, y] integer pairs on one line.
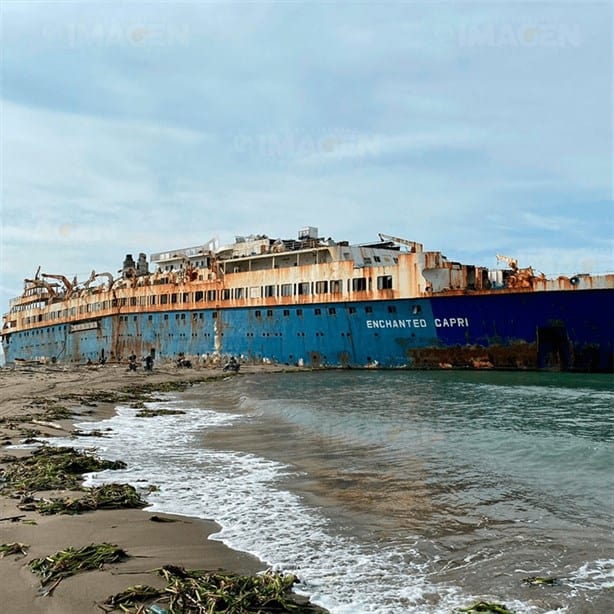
{"points": [[232, 365], [319, 303]]}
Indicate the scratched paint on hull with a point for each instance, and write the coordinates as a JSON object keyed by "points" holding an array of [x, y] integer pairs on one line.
{"points": [[537, 330]]}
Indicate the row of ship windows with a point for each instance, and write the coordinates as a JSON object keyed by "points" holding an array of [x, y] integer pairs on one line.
{"points": [[202, 335], [41, 331], [258, 313], [360, 284]]}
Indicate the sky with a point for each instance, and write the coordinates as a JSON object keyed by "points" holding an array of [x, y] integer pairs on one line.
{"points": [[475, 128]]}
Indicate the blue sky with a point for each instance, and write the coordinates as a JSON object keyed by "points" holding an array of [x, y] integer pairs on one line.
{"points": [[474, 128]]}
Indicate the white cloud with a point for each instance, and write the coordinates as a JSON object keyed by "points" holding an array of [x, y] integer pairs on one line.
{"points": [[265, 118]]}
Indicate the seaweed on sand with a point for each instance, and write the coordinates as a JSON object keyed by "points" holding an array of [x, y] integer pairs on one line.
{"points": [[105, 497], [540, 581], [131, 597], [13, 548], [200, 592], [151, 413], [52, 410], [488, 607], [53, 468], [54, 568]]}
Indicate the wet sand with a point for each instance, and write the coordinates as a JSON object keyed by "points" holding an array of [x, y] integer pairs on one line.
{"points": [[150, 544]]}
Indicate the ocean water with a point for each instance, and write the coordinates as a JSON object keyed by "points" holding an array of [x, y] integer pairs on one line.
{"points": [[394, 491]]}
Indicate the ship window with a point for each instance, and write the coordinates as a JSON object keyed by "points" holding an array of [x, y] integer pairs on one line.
{"points": [[392, 309], [377, 259], [286, 289], [368, 309], [176, 316], [384, 282], [359, 284], [303, 288], [214, 315], [122, 302], [226, 294], [321, 287], [269, 313], [269, 291], [163, 299], [134, 318], [183, 316], [150, 318], [352, 309], [258, 313], [194, 316], [199, 296], [238, 292], [299, 312], [186, 297], [174, 297], [335, 286], [286, 312], [416, 309], [332, 311], [211, 295], [166, 316], [317, 311], [367, 260]]}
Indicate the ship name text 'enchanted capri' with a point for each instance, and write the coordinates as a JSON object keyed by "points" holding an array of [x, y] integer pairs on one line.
{"points": [[317, 302]]}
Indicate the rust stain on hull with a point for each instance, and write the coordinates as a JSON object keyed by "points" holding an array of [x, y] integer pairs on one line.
{"points": [[519, 356]]}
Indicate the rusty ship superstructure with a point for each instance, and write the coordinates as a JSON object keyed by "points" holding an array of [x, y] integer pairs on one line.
{"points": [[317, 302]]}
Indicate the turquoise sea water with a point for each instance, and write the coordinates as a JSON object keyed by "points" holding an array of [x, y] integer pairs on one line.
{"points": [[396, 491]]}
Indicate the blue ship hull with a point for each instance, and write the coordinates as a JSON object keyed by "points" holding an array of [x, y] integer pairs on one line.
{"points": [[567, 330]]}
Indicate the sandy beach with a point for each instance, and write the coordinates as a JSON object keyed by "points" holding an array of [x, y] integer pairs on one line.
{"points": [[26, 391]]}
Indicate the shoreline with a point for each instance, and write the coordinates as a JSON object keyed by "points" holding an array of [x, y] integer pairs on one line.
{"points": [[25, 394]]}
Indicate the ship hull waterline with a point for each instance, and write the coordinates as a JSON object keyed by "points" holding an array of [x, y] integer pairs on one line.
{"points": [[537, 330]]}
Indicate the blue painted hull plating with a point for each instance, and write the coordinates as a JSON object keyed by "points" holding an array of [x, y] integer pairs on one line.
{"points": [[568, 330]]}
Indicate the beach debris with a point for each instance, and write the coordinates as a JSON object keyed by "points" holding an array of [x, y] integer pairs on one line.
{"points": [[488, 607], [155, 518], [131, 597], [29, 433], [8, 458], [13, 548], [13, 518], [151, 413], [49, 425], [54, 568], [105, 497], [144, 389], [94, 433], [202, 592], [198, 592], [52, 409], [49, 468], [540, 581]]}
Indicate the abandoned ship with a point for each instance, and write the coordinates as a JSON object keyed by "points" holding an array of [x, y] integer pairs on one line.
{"points": [[317, 302]]}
